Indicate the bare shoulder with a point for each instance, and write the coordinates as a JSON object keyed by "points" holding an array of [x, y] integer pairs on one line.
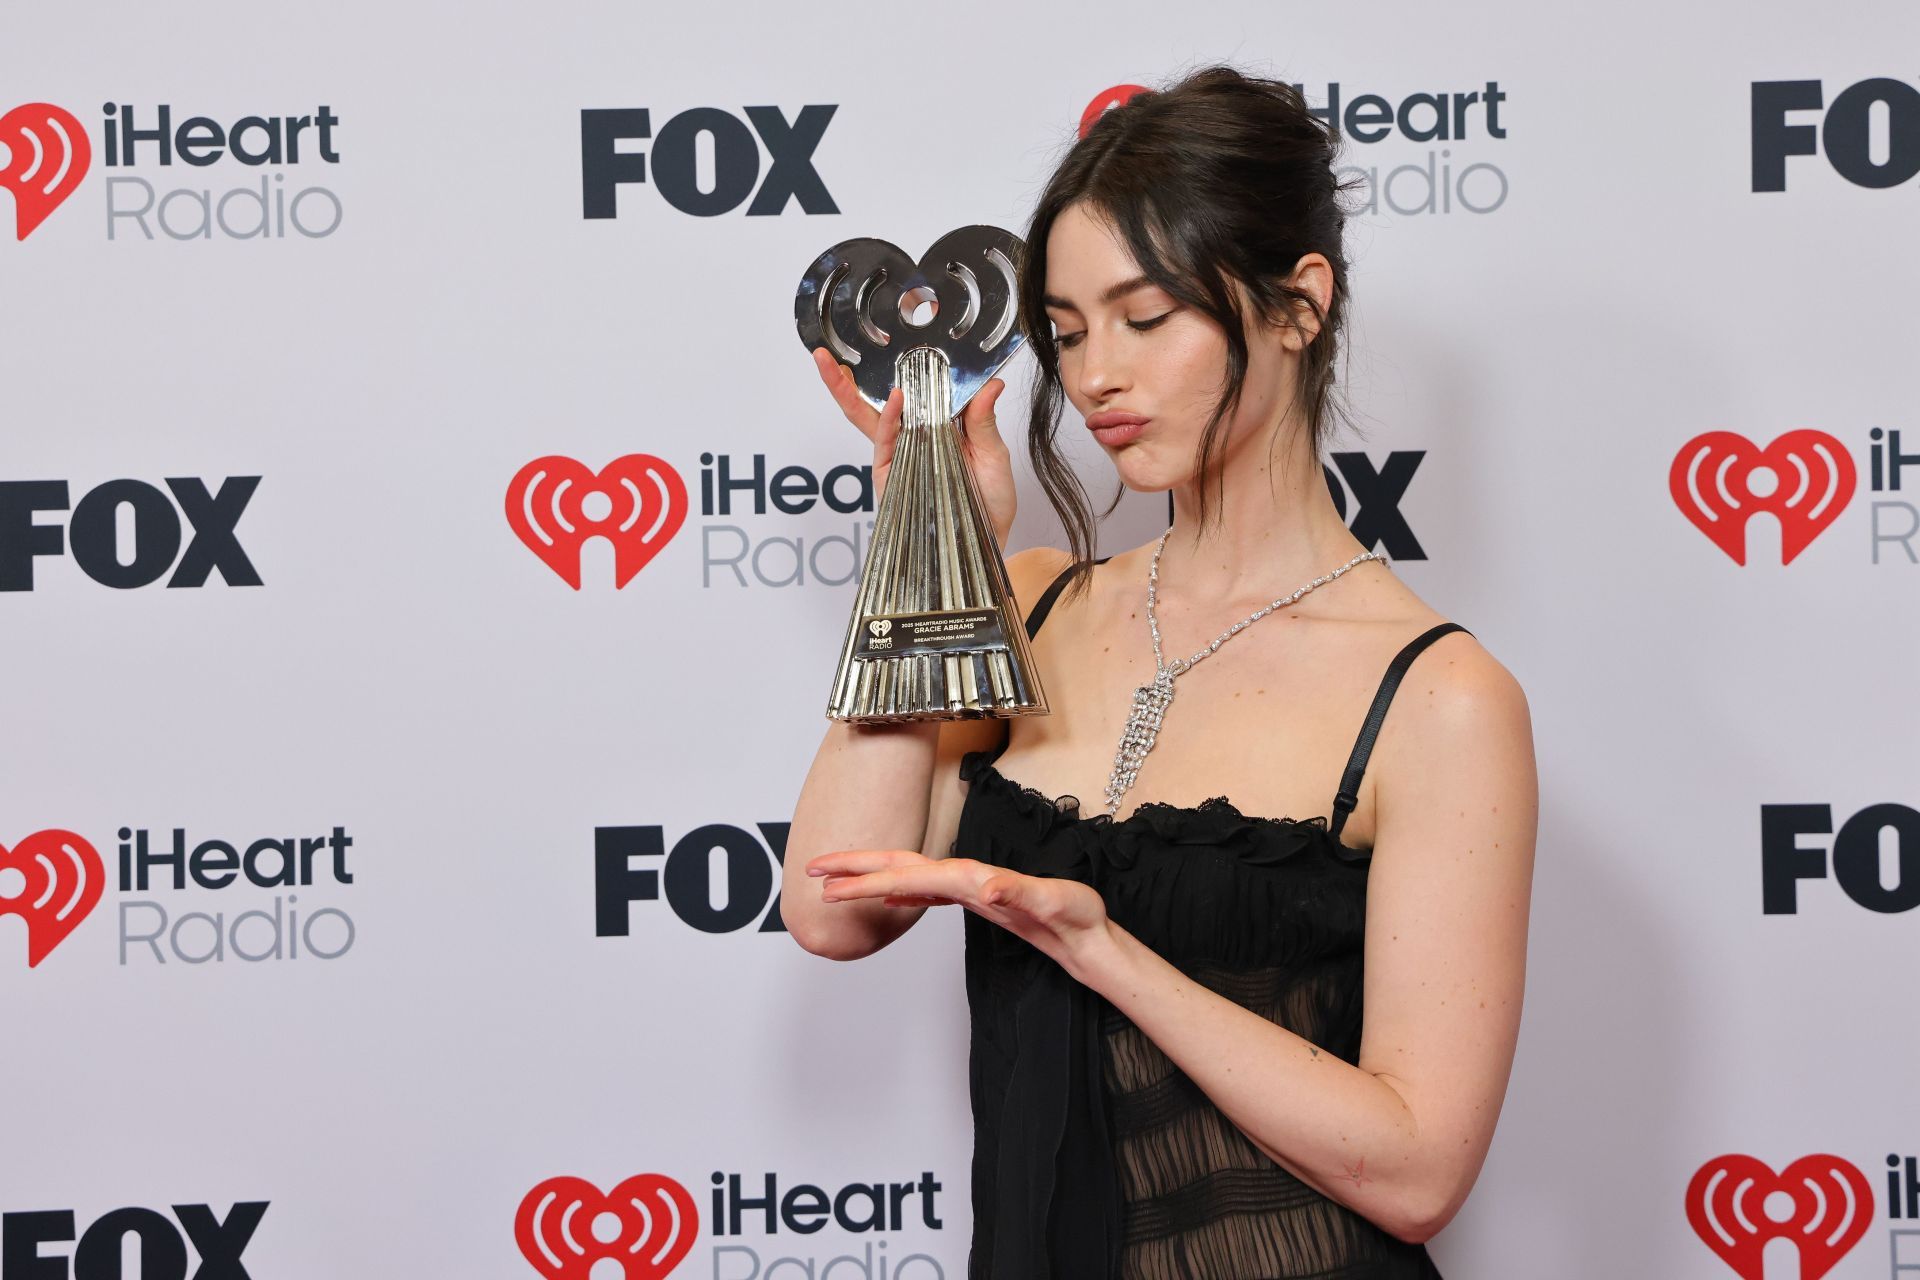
{"points": [[1459, 688], [1458, 739], [1031, 570], [1038, 561], [1455, 685]]}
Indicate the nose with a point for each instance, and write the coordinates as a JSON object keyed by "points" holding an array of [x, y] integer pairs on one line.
{"points": [[1102, 374]]}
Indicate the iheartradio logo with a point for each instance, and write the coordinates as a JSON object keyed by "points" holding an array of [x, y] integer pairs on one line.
{"points": [[637, 503], [646, 1225], [1720, 480], [1738, 1206], [1105, 101], [46, 155], [880, 626], [51, 880]]}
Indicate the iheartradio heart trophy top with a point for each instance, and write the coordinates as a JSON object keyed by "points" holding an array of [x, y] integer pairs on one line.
{"points": [[935, 632]]}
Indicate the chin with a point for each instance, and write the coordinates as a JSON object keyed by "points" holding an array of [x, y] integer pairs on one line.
{"points": [[1144, 474]]}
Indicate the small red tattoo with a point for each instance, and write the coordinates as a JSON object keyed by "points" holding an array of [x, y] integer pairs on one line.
{"points": [[1357, 1173]]}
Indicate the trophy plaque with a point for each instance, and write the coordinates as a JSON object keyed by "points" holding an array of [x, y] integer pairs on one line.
{"points": [[935, 633]]}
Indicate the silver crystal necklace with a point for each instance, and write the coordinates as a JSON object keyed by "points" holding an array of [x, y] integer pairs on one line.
{"points": [[1150, 700]]}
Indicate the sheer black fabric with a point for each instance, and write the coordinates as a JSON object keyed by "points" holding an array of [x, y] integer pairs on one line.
{"points": [[1094, 1156]]}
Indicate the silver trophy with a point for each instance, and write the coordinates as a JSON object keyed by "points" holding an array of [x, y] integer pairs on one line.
{"points": [[936, 633]]}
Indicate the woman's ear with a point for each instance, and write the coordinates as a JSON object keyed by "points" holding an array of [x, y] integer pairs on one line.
{"points": [[1313, 276]]}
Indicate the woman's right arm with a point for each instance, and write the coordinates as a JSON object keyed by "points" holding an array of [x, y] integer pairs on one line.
{"points": [[892, 786], [888, 786]]}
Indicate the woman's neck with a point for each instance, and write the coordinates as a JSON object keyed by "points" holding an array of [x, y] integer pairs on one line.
{"points": [[1272, 527]]}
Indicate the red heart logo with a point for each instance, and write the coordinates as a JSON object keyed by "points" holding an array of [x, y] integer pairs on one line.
{"points": [[64, 879], [1104, 101], [1807, 480], [560, 1231], [48, 155], [1828, 1206], [646, 503]]}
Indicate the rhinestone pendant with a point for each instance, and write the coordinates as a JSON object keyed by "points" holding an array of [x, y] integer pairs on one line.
{"points": [[1143, 727]]}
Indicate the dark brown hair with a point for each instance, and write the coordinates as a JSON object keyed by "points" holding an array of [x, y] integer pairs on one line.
{"points": [[1220, 176]]}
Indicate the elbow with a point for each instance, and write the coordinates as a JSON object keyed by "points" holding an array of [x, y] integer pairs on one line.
{"points": [[1416, 1229], [824, 943], [1423, 1211], [831, 949]]}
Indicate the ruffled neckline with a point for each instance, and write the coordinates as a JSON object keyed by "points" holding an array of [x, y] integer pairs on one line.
{"points": [[1215, 822]]}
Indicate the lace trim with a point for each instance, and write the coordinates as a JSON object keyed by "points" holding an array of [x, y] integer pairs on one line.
{"points": [[978, 766]]}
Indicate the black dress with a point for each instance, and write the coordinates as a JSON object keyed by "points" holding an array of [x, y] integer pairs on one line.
{"points": [[1094, 1156]]}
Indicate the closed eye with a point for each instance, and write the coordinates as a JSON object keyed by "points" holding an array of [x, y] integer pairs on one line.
{"points": [[1138, 326]]}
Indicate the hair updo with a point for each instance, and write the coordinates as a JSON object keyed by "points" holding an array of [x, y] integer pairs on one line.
{"points": [[1221, 176]]}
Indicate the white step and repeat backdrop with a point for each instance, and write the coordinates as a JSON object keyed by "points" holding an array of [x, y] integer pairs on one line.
{"points": [[379, 880]]}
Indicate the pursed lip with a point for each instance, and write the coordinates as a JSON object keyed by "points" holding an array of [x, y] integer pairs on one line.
{"points": [[1114, 418]]}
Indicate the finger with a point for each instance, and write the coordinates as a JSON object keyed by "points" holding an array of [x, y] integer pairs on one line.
{"points": [[980, 411], [870, 884], [915, 900], [839, 381], [924, 877], [860, 861], [981, 419]]}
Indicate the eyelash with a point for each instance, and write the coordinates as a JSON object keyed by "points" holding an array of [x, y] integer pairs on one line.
{"points": [[1070, 340]]}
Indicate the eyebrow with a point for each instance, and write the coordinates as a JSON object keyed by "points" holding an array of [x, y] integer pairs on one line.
{"points": [[1113, 293]]}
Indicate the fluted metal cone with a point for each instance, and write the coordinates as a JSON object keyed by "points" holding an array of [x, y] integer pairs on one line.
{"points": [[935, 633]]}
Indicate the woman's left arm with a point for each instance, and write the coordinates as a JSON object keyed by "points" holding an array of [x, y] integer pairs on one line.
{"points": [[1399, 1138]]}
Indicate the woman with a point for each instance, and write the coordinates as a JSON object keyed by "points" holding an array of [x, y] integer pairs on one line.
{"points": [[1171, 1073]]}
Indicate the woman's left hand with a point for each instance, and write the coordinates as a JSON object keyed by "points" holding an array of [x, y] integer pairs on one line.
{"points": [[1058, 916]]}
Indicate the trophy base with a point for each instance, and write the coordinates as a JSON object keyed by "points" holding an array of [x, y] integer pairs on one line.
{"points": [[946, 684]]}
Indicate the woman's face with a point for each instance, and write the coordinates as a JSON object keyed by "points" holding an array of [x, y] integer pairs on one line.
{"points": [[1128, 349]]}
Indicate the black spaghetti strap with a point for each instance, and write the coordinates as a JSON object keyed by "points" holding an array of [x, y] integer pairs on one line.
{"points": [[1044, 605], [1349, 794], [1041, 608]]}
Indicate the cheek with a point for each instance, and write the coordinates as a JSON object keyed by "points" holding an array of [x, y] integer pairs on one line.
{"points": [[1192, 367]]}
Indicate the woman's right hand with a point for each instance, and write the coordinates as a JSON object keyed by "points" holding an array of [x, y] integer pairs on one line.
{"points": [[980, 443]]}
